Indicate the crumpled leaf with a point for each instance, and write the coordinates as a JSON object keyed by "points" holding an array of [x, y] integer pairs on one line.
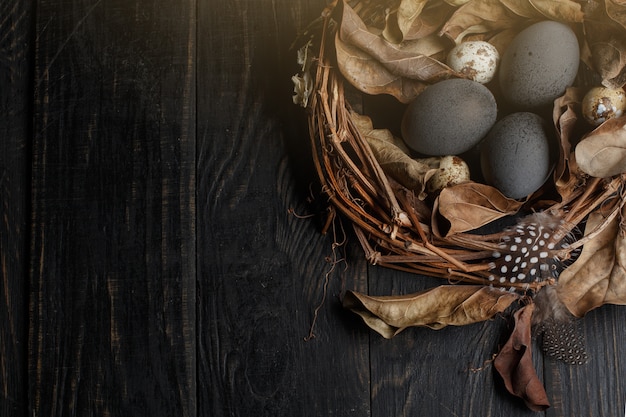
{"points": [[397, 60], [616, 10], [392, 156], [493, 16], [562, 10], [602, 152], [371, 77], [446, 305], [479, 16], [375, 65], [415, 19], [609, 58], [568, 124], [408, 14], [598, 276], [471, 205], [514, 363], [605, 36], [303, 82]]}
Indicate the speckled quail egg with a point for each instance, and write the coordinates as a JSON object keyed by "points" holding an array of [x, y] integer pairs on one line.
{"points": [[602, 103], [478, 60], [452, 171]]}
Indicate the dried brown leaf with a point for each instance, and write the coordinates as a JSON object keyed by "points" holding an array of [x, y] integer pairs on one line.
{"points": [[392, 155], [616, 10], [609, 58], [598, 276], [432, 46], [605, 38], [493, 16], [560, 10], [471, 205], [522, 8], [602, 152], [567, 121], [502, 39], [412, 20], [479, 16], [515, 365], [446, 305], [408, 15], [405, 63], [371, 77]]}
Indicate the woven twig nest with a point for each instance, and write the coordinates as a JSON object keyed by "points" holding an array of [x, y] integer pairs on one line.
{"points": [[565, 245]]}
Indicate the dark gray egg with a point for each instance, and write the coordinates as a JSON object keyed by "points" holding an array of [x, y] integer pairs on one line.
{"points": [[515, 155], [538, 65], [449, 118]]}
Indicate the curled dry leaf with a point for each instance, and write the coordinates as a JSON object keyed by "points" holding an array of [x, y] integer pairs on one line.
{"points": [[375, 66], [471, 205], [616, 10], [409, 63], [563, 10], [514, 363], [415, 19], [493, 16], [602, 152], [605, 35], [568, 123], [609, 58], [371, 77], [479, 16], [408, 14], [392, 155], [446, 305], [598, 276], [303, 82]]}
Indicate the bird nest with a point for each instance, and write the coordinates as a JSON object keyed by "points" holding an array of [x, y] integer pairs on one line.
{"points": [[564, 243]]}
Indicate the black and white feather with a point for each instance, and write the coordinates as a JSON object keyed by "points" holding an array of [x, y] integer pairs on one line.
{"points": [[537, 249], [531, 251]]}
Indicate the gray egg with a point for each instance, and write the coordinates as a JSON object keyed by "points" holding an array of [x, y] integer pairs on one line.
{"points": [[539, 64], [449, 118], [515, 155]]}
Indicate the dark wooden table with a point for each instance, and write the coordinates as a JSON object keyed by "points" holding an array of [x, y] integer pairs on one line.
{"points": [[152, 262]]}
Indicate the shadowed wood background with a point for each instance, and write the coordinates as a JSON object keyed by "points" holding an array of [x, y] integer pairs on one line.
{"points": [[151, 169]]}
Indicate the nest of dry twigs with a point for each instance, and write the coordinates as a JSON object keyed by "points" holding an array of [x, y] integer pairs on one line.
{"points": [[440, 235], [399, 230]]}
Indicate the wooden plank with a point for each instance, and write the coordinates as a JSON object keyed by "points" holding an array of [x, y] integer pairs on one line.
{"points": [[438, 372], [596, 388], [261, 269], [15, 74], [113, 250]]}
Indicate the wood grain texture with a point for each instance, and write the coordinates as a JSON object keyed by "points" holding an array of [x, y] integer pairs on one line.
{"points": [[160, 240], [16, 34], [113, 248], [447, 372], [261, 269], [596, 388]]}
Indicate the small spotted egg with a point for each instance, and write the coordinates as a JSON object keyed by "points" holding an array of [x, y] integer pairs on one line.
{"points": [[478, 60], [452, 171], [601, 104]]}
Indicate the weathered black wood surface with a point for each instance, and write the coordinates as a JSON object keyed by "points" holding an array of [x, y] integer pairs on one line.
{"points": [[154, 261], [16, 43]]}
